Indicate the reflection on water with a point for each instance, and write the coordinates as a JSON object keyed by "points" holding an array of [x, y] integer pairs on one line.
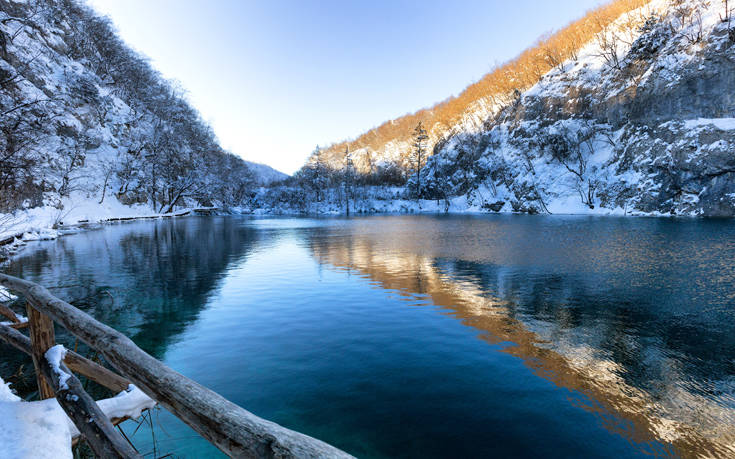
{"points": [[598, 336], [609, 315], [147, 279]]}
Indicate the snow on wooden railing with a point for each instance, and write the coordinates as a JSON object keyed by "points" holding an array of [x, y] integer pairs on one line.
{"points": [[84, 412], [232, 429], [55, 380]]}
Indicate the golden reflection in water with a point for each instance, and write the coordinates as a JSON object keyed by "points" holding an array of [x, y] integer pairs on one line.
{"points": [[677, 421]]}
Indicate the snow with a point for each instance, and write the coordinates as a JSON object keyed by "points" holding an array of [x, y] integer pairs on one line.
{"points": [[6, 393], [38, 223], [5, 295], [725, 124], [55, 356], [42, 430], [20, 319], [34, 430], [130, 403]]}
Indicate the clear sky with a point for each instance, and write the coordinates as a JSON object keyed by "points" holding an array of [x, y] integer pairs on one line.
{"points": [[275, 78]]}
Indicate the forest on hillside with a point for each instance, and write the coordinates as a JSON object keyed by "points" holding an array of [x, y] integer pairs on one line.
{"points": [[83, 114], [627, 110]]}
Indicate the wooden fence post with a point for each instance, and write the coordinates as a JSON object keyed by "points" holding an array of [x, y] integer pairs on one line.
{"points": [[74, 361], [41, 330]]}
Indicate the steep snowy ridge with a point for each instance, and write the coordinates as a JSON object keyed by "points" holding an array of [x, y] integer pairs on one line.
{"points": [[90, 131], [637, 121], [391, 141], [641, 122]]}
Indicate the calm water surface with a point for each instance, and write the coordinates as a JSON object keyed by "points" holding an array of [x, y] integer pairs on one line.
{"points": [[427, 336]]}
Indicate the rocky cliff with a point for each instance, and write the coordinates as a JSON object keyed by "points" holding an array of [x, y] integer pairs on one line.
{"points": [[642, 121]]}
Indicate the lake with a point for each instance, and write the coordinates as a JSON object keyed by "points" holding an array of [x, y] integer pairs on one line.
{"points": [[426, 336]]}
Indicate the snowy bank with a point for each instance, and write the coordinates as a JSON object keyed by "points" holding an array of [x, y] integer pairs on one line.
{"points": [[41, 429]]}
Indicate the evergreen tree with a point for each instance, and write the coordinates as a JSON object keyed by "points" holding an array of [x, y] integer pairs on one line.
{"points": [[418, 155]]}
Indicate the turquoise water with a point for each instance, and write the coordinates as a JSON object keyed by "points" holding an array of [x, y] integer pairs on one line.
{"points": [[427, 336]]}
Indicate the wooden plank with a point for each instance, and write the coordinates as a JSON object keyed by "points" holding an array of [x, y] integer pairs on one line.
{"points": [[96, 372], [232, 429], [41, 331], [101, 436], [9, 314], [74, 361]]}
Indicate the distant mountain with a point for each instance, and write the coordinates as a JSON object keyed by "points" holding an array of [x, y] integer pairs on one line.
{"points": [[265, 175]]}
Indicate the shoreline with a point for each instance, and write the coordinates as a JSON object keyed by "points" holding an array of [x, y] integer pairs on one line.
{"points": [[10, 245]]}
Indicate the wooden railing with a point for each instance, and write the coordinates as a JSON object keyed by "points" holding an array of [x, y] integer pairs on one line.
{"points": [[232, 429]]}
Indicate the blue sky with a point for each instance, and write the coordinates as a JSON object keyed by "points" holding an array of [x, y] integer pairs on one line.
{"points": [[275, 78]]}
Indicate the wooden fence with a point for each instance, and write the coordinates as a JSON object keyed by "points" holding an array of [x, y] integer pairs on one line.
{"points": [[232, 429]]}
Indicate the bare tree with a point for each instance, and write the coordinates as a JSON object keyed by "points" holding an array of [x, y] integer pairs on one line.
{"points": [[608, 42], [553, 54], [726, 18], [692, 19], [66, 166], [728, 12], [108, 169], [572, 148], [22, 129]]}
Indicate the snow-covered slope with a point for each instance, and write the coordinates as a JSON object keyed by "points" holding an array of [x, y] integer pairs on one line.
{"points": [[89, 130], [644, 127], [639, 120], [265, 174], [642, 121]]}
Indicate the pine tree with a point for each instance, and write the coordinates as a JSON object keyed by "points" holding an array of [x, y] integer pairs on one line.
{"points": [[418, 155]]}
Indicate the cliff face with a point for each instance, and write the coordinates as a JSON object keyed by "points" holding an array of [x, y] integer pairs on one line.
{"points": [[643, 121]]}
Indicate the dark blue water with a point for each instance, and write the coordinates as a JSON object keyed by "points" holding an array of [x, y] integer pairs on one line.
{"points": [[428, 336]]}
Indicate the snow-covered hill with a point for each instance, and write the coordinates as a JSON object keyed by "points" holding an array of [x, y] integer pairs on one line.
{"points": [[264, 174], [640, 120], [88, 130]]}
